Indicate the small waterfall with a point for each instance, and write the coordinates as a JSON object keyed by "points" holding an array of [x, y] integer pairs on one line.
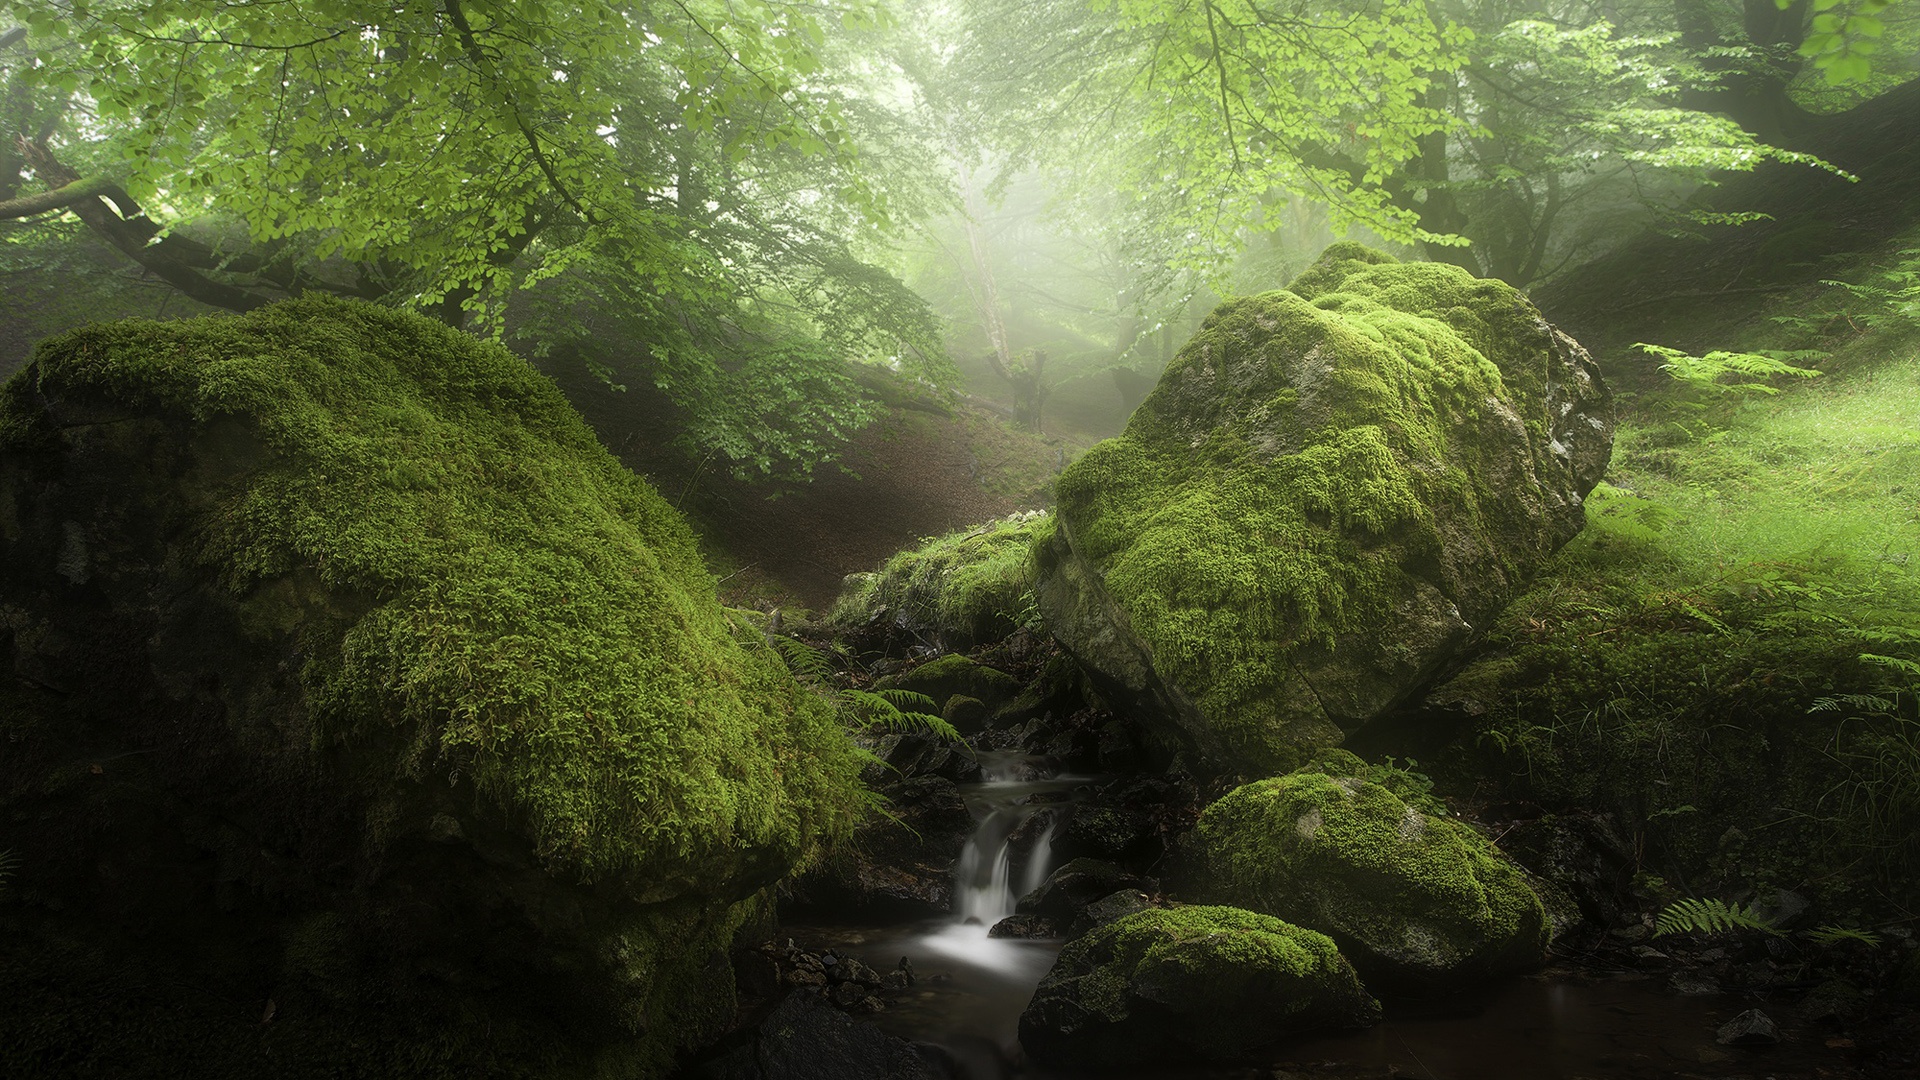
{"points": [[1040, 862], [982, 878]]}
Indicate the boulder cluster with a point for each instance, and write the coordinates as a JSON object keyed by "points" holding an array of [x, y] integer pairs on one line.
{"points": [[1332, 486], [353, 679]]}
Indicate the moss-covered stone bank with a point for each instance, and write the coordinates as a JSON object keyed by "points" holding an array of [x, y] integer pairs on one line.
{"points": [[364, 717], [1331, 486]]}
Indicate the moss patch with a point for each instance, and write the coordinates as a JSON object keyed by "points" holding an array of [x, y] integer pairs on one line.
{"points": [[1331, 478], [1415, 900], [1175, 985], [959, 590], [540, 619], [365, 681]]}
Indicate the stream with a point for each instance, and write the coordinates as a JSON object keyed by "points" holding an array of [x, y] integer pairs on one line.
{"points": [[1561, 1023]]}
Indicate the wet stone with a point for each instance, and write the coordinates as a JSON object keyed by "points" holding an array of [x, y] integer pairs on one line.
{"points": [[1113, 907], [1024, 926], [1750, 1028], [1693, 984]]}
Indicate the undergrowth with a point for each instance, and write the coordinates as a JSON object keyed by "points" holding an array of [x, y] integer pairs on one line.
{"points": [[1729, 655]]}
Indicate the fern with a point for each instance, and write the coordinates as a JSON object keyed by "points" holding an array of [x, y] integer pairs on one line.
{"points": [[890, 710], [880, 710], [1703, 916], [807, 663], [1833, 935], [1710, 372]]}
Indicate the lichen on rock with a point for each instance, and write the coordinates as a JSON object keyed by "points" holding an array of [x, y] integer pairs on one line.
{"points": [[355, 615], [1417, 901], [1188, 985], [1329, 488]]}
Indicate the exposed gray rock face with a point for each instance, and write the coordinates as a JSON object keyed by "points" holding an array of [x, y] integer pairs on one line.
{"points": [[1331, 486]]}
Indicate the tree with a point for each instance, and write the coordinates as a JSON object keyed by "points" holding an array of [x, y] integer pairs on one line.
{"points": [[1476, 130], [691, 162]]}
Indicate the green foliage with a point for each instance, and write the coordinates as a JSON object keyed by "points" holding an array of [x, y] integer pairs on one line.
{"points": [[883, 711], [1707, 916], [1731, 577], [538, 622], [1834, 935], [1878, 747], [1532, 136], [1843, 37], [897, 711], [681, 188], [1201, 112], [1722, 372], [1893, 295]]}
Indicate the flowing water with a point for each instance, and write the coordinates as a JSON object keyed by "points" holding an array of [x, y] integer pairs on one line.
{"points": [[1558, 1026]]}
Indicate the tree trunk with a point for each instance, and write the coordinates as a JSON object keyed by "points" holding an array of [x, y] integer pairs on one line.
{"points": [[1750, 92]]}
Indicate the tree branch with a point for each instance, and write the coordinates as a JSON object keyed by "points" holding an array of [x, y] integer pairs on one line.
{"points": [[59, 198], [480, 61]]}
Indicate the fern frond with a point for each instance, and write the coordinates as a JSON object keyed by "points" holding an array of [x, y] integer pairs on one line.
{"points": [[871, 710], [1894, 664], [807, 663], [907, 699], [1705, 916], [1833, 935]]}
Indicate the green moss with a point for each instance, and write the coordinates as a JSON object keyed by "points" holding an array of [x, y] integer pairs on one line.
{"points": [[963, 589], [1215, 984], [1260, 504], [531, 615], [1414, 900], [955, 674]]}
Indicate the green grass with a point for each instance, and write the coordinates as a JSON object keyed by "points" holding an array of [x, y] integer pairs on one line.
{"points": [[1695, 659]]}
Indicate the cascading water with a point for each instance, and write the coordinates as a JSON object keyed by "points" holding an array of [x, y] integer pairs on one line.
{"points": [[1001, 805]]}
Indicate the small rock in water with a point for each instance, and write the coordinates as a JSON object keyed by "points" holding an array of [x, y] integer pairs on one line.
{"points": [[906, 965], [1647, 954], [851, 970], [1694, 984], [803, 977], [1024, 926], [1750, 1028]]}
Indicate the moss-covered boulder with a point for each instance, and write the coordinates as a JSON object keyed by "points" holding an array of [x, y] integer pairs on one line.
{"points": [[1189, 985], [365, 717], [953, 592], [1331, 486], [1417, 901]]}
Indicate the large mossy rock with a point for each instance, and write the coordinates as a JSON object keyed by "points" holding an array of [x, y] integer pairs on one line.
{"points": [[1190, 985], [1331, 486], [1417, 901], [365, 717]]}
